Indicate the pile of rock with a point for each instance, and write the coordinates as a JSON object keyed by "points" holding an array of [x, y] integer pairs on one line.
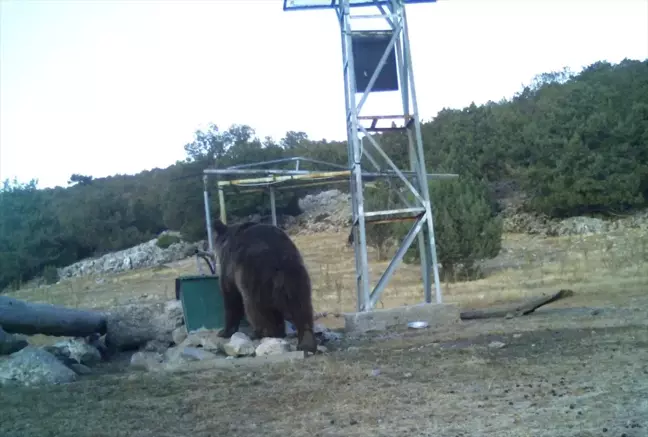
{"points": [[62, 362], [141, 256], [206, 345], [153, 336], [164, 353], [325, 211]]}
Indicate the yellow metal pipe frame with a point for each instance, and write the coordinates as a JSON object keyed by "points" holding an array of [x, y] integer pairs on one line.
{"points": [[278, 178]]}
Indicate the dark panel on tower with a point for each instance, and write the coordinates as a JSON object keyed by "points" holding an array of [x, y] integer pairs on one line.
{"points": [[368, 48]]}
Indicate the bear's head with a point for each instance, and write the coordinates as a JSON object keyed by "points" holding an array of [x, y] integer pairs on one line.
{"points": [[225, 234]]}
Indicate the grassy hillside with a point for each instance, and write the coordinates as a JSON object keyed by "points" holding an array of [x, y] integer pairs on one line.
{"points": [[575, 145]]}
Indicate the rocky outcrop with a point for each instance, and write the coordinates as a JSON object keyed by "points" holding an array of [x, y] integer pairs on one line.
{"points": [[515, 221], [141, 256], [323, 212]]}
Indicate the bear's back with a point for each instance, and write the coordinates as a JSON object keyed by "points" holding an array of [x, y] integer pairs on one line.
{"points": [[264, 246]]}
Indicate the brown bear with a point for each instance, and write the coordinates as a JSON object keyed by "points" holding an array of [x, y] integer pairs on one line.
{"points": [[263, 276]]}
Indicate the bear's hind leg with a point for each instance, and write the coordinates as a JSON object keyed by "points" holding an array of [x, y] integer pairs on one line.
{"points": [[303, 321], [276, 329], [266, 322], [305, 336]]}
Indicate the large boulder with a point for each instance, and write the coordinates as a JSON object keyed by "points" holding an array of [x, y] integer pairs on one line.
{"points": [[132, 326], [34, 366]]}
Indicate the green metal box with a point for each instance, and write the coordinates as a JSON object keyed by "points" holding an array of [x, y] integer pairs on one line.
{"points": [[202, 302]]}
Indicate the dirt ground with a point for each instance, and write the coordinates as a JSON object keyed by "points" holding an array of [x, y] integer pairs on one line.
{"points": [[575, 368], [562, 372]]}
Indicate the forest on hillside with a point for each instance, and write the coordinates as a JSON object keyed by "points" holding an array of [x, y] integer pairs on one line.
{"points": [[574, 144]]}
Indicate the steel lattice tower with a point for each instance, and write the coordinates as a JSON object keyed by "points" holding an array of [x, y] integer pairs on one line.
{"points": [[377, 61]]}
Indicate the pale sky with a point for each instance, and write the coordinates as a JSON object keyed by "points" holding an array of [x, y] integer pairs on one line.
{"points": [[103, 87]]}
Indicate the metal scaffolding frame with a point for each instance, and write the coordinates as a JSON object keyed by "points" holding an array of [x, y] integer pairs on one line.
{"points": [[415, 179], [274, 179], [393, 12]]}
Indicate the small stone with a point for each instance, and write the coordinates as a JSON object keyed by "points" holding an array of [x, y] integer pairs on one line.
{"points": [[496, 345], [146, 360], [196, 354], [375, 372], [322, 349], [517, 335], [156, 346], [207, 339]]}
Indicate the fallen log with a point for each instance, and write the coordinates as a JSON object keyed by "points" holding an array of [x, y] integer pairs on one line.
{"points": [[518, 310], [20, 317]]}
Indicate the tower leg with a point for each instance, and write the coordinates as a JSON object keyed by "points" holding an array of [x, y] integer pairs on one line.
{"points": [[421, 212], [354, 158]]}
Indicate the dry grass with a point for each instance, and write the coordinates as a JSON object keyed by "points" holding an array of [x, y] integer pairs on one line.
{"points": [[596, 267], [563, 372]]}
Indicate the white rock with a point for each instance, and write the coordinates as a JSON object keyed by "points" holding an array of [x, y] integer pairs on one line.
{"points": [[239, 345], [496, 344], [272, 346], [196, 354], [78, 350]]}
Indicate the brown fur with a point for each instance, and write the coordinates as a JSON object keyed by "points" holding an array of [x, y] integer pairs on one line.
{"points": [[264, 277]]}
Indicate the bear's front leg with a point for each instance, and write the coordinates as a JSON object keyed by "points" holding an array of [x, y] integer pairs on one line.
{"points": [[234, 310]]}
